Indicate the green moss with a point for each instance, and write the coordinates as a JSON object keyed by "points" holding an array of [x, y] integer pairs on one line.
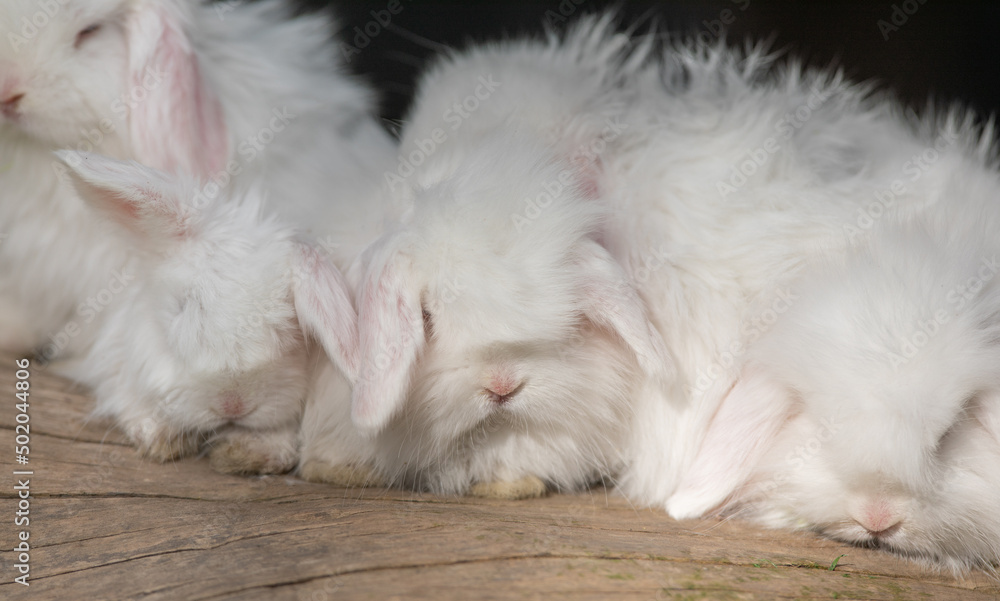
{"points": [[621, 576]]}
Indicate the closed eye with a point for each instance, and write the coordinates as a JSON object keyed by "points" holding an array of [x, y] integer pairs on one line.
{"points": [[86, 33]]}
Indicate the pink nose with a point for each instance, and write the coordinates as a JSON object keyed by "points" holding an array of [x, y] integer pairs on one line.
{"points": [[879, 517], [231, 406], [502, 387]]}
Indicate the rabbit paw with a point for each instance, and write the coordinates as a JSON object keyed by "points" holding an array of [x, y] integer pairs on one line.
{"points": [[529, 487], [342, 475], [249, 452], [160, 443]]}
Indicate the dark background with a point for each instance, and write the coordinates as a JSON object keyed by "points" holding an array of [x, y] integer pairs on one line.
{"points": [[945, 50]]}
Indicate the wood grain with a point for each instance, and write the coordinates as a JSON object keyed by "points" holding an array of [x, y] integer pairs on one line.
{"points": [[106, 524]]}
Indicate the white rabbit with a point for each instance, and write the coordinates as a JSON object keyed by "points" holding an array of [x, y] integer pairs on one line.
{"points": [[501, 341], [208, 336], [717, 177], [870, 412], [646, 139], [217, 92], [497, 359], [733, 172]]}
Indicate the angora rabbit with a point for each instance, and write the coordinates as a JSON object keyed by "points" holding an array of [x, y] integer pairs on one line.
{"points": [[207, 337], [648, 141], [179, 86], [500, 341], [732, 173], [870, 412], [497, 360]]}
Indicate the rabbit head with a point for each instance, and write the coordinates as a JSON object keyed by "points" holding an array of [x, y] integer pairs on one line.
{"points": [[870, 411], [118, 76], [211, 332], [497, 335]]}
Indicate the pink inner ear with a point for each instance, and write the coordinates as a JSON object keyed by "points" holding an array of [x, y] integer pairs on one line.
{"points": [[162, 216], [129, 194], [742, 429], [612, 303], [989, 414], [324, 306], [391, 329], [123, 209], [177, 123]]}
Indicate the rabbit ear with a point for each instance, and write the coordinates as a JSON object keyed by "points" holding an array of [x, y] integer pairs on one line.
{"points": [[611, 302], [742, 429], [144, 200], [391, 330], [175, 121], [325, 310], [988, 413]]}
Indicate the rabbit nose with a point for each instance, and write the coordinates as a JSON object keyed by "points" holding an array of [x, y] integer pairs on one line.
{"points": [[9, 105], [502, 387], [879, 517]]}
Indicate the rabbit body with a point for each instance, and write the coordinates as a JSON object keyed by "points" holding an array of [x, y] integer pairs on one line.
{"points": [[210, 337], [248, 94], [500, 341], [716, 174], [252, 103], [879, 388]]}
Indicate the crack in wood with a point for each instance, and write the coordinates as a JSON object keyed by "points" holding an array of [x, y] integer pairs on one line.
{"points": [[74, 439]]}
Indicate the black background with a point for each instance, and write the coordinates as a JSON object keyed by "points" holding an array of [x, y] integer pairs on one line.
{"points": [[945, 50]]}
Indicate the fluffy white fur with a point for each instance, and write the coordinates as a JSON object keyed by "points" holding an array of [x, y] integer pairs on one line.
{"points": [[177, 85], [489, 354], [737, 170], [472, 295], [645, 138], [208, 336], [239, 97], [880, 388], [711, 263], [720, 282]]}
